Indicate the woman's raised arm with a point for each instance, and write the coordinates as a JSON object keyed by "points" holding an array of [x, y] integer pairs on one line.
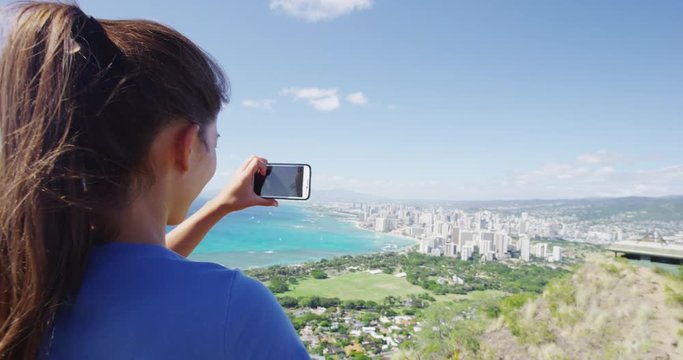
{"points": [[237, 195]]}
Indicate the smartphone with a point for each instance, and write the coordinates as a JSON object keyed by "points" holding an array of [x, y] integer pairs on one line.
{"points": [[284, 181]]}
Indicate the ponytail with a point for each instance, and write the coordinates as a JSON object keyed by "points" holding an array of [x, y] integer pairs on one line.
{"points": [[80, 103]]}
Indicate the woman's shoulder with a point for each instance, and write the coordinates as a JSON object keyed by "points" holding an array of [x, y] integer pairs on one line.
{"points": [[211, 300], [158, 270], [255, 325]]}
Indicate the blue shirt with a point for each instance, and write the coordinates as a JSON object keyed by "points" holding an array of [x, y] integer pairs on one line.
{"points": [[147, 302]]}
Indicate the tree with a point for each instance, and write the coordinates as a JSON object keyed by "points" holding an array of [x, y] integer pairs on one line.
{"points": [[311, 302], [390, 301], [368, 317], [409, 311], [288, 302], [318, 274], [278, 285], [329, 302]]}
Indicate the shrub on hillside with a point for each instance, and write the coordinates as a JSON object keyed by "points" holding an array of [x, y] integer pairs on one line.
{"points": [[318, 274]]}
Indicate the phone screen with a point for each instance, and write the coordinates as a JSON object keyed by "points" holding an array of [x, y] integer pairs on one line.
{"points": [[280, 181]]}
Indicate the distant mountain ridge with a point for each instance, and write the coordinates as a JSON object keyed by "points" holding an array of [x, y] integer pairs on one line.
{"points": [[667, 208]]}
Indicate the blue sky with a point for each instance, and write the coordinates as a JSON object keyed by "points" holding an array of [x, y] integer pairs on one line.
{"points": [[447, 99]]}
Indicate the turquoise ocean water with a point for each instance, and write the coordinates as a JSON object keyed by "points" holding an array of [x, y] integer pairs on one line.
{"points": [[288, 234]]}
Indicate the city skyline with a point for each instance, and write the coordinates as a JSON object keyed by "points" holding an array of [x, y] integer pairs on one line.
{"points": [[456, 101], [505, 234]]}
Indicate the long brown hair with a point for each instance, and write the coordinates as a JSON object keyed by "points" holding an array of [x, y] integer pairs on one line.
{"points": [[80, 103]]}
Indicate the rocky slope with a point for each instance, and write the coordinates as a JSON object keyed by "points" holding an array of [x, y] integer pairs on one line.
{"points": [[607, 309]]}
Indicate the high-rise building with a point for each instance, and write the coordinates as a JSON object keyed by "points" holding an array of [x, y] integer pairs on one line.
{"points": [[557, 253], [485, 249], [426, 218], [467, 236], [445, 229], [456, 238], [540, 250], [382, 224], [451, 249], [486, 235], [525, 247], [501, 244], [467, 251], [416, 231], [438, 242], [425, 246]]}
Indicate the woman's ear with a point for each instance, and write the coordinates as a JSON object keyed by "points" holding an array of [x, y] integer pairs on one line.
{"points": [[185, 138]]}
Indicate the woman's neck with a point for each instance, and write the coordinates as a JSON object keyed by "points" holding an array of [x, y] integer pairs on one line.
{"points": [[144, 220]]}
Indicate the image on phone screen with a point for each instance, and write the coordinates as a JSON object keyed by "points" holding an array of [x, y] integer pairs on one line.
{"points": [[283, 181]]}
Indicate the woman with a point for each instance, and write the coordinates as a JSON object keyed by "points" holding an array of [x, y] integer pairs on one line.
{"points": [[108, 134]]}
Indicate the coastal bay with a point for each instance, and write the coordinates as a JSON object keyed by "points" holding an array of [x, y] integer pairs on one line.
{"points": [[286, 235]]}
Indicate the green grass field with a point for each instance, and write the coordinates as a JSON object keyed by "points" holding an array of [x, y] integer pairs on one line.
{"points": [[356, 286]]}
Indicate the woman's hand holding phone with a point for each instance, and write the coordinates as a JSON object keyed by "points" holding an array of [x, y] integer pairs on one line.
{"points": [[239, 193], [236, 195]]}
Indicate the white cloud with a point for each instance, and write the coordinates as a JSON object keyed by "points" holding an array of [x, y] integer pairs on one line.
{"points": [[325, 104], [310, 93], [266, 104], [599, 157], [319, 10], [595, 174], [320, 99], [357, 98], [557, 180]]}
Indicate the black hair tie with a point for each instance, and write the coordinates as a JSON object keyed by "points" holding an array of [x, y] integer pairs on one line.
{"points": [[102, 66]]}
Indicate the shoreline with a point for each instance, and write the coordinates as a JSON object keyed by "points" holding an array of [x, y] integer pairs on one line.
{"points": [[229, 258], [357, 224], [351, 218], [217, 257]]}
